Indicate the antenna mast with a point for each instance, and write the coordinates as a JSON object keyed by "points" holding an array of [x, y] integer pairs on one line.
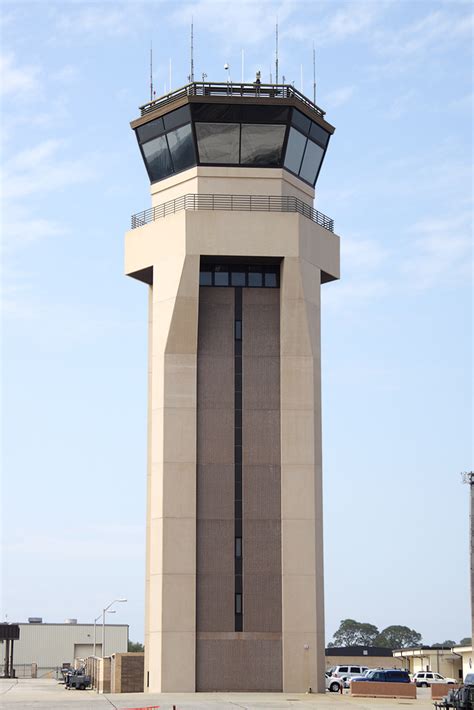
{"points": [[191, 75], [151, 70], [276, 52], [314, 75]]}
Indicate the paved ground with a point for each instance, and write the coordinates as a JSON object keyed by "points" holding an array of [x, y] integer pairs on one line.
{"points": [[46, 694]]}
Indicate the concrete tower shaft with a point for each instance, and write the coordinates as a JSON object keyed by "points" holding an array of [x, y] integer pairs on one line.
{"points": [[234, 256]]}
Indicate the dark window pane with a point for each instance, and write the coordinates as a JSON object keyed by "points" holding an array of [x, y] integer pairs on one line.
{"points": [[255, 278], [238, 418], [177, 118], [311, 162], [216, 112], [301, 121], [238, 365], [238, 330], [181, 146], [221, 278], [261, 144], [218, 142], [238, 434], [294, 151], [157, 158], [319, 135], [238, 603], [238, 278], [265, 114], [150, 130], [238, 547], [205, 278], [270, 280]]}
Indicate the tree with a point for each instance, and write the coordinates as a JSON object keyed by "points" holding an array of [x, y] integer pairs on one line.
{"points": [[466, 641], [354, 633], [445, 644], [398, 637], [135, 647]]}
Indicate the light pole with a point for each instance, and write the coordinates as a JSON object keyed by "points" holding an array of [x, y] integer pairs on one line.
{"points": [[468, 477], [112, 611], [104, 611]]}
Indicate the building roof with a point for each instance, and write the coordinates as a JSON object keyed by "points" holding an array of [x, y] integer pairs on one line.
{"points": [[359, 651]]}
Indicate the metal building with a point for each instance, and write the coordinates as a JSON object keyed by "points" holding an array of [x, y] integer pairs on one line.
{"points": [[234, 255]]}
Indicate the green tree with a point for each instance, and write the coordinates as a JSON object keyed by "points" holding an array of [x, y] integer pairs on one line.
{"points": [[398, 637], [135, 647], [445, 644], [354, 633], [466, 641]]}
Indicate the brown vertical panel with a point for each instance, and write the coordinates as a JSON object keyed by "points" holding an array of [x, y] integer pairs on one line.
{"points": [[215, 458], [261, 460]]}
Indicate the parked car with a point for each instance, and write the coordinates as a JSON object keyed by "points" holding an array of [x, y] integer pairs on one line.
{"points": [[424, 679], [334, 685], [469, 679], [363, 675], [382, 675], [346, 672]]}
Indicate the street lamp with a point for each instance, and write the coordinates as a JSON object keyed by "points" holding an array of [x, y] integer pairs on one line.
{"points": [[111, 611], [104, 611]]}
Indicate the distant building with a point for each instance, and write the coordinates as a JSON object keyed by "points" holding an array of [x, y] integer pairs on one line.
{"points": [[466, 655], [50, 645], [444, 660], [370, 656]]}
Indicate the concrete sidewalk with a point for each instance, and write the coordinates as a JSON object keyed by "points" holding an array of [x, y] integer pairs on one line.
{"points": [[46, 694]]}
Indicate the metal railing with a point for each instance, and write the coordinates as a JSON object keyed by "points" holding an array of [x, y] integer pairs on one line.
{"points": [[259, 91], [241, 203]]}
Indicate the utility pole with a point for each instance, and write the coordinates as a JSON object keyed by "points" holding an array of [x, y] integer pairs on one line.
{"points": [[468, 477]]}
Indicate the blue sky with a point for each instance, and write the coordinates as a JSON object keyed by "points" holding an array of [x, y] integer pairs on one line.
{"points": [[395, 79]]}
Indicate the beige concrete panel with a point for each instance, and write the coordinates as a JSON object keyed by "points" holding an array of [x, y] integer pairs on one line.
{"points": [[261, 492], [262, 547], [216, 436], [261, 437], [295, 272], [262, 602], [178, 662], [156, 602], [179, 602], [300, 666], [297, 382], [297, 441], [300, 615], [156, 547], [296, 330], [174, 436], [215, 491], [179, 490], [179, 546], [298, 492], [319, 246], [148, 245], [298, 535], [182, 335], [154, 667], [215, 550], [176, 274], [215, 602], [175, 383]]}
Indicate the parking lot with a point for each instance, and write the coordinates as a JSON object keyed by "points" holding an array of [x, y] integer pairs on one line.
{"points": [[46, 694]]}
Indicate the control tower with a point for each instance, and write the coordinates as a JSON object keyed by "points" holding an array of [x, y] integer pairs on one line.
{"points": [[234, 255]]}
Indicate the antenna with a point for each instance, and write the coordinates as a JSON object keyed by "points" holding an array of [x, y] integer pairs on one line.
{"points": [[301, 78], [276, 52], [191, 75], [314, 75], [170, 74], [151, 70], [242, 78]]}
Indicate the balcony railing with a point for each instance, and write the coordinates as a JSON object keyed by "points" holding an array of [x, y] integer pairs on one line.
{"points": [[259, 91], [236, 203]]}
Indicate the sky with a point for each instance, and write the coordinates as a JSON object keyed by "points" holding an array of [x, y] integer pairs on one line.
{"points": [[395, 78]]}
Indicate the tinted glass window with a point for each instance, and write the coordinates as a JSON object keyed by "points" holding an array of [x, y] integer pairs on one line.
{"points": [[221, 278], [264, 114], [255, 278], [343, 669], [218, 142], [302, 122], [205, 278], [238, 278], [271, 280], [216, 112], [311, 162], [177, 118], [355, 669], [181, 146], [318, 134], [261, 144], [294, 151], [150, 130], [157, 158]]}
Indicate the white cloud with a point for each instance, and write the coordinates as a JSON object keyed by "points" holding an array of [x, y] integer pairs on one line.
{"points": [[338, 97], [21, 232], [100, 20], [16, 80]]}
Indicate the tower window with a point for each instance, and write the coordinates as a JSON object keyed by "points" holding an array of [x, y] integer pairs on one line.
{"points": [[238, 547], [238, 603]]}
